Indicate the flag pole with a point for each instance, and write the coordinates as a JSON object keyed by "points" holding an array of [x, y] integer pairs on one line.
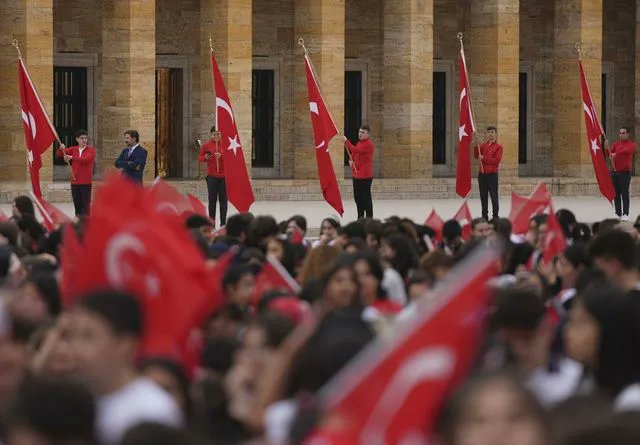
{"points": [[315, 77], [21, 60], [473, 113], [216, 138]]}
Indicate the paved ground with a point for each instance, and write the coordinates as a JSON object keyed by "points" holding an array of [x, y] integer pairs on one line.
{"points": [[587, 209]]}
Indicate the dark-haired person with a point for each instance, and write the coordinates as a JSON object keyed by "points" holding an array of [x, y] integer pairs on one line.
{"points": [[621, 154], [362, 171], [133, 158], [211, 153], [81, 157], [615, 253], [107, 328], [489, 155]]}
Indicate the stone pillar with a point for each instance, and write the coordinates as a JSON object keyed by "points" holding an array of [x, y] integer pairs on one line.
{"points": [[128, 78], [408, 89], [321, 23], [31, 23], [229, 22], [575, 21], [493, 58]]}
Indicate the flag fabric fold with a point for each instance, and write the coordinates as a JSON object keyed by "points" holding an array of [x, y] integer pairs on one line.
{"points": [[523, 208], [463, 216], [235, 170], [52, 216], [465, 132], [594, 138], [435, 222], [39, 134], [324, 129]]}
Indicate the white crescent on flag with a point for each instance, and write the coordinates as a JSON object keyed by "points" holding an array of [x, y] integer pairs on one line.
{"points": [[31, 123], [118, 272], [313, 106], [463, 93], [221, 103], [588, 111]]}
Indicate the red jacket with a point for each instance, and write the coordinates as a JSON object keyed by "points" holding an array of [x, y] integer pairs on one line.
{"points": [[624, 150], [81, 165], [210, 147], [492, 155], [362, 154]]}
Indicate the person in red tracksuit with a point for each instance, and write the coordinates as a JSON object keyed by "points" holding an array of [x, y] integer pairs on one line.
{"points": [[212, 154], [489, 155], [81, 157], [362, 170], [621, 153]]}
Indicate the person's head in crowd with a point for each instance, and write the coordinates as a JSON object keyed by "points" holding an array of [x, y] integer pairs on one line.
{"points": [[373, 228], [10, 231], [401, 252], [260, 230], [616, 253], [238, 284], [218, 354], [22, 205], [620, 429], [418, 285], [51, 412], [238, 226], [603, 333], [481, 228], [252, 257], [574, 414], [38, 299], [51, 243], [226, 321], [452, 235], [518, 257], [107, 327], [51, 351], [502, 227], [583, 232], [535, 282], [12, 273], [567, 220], [202, 224], [283, 251], [31, 232], [340, 287], [370, 274], [298, 222], [355, 245], [316, 261], [571, 263], [329, 230], [170, 375], [354, 229], [605, 225], [537, 231], [436, 265], [311, 290], [13, 356], [151, 433], [200, 241], [493, 409]]}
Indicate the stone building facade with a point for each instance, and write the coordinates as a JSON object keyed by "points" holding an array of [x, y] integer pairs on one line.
{"points": [[394, 64]]}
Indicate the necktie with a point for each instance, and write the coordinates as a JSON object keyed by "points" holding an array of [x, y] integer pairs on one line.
{"points": [[130, 151]]}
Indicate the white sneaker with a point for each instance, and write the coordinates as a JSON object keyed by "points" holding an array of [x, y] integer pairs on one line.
{"points": [[624, 218]]}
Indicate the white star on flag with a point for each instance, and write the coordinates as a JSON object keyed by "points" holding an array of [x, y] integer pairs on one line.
{"points": [[234, 144], [462, 133], [30, 156], [594, 145]]}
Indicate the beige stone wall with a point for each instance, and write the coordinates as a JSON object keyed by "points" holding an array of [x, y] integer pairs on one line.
{"points": [[77, 26], [536, 47], [31, 23]]}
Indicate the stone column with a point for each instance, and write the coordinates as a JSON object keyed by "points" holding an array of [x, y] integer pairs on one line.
{"points": [[321, 23], [229, 22], [408, 89], [493, 51], [31, 23], [128, 78], [575, 21]]}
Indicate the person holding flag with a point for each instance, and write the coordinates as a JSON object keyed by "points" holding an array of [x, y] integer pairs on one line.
{"points": [[211, 154], [621, 154], [361, 162], [81, 157], [489, 154]]}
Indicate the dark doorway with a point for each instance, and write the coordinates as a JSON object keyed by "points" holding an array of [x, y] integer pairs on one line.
{"points": [[263, 108], [522, 118], [169, 144], [439, 117], [352, 107], [69, 104]]}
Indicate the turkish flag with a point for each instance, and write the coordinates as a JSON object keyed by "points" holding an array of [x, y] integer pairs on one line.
{"points": [[554, 241], [324, 129], [594, 137], [70, 253], [151, 254], [235, 170], [524, 208], [436, 223], [164, 198], [39, 134], [273, 276], [463, 216], [197, 205], [52, 216], [393, 392], [296, 236], [465, 132]]}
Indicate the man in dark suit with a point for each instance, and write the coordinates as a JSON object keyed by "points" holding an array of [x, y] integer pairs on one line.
{"points": [[133, 158]]}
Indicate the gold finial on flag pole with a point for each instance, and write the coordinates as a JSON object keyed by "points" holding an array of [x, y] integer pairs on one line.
{"points": [[210, 42], [578, 47], [17, 47], [460, 37], [301, 43]]}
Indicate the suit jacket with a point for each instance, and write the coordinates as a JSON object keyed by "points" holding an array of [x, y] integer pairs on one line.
{"points": [[132, 166]]}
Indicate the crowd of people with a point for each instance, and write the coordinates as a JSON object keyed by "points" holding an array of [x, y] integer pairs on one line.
{"points": [[559, 362]]}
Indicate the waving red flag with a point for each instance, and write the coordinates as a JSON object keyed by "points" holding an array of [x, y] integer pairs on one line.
{"points": [[39, 134], [554, 242], [463, 216], [235, 169], [273, 276], [52, 217], [70, 253], [465, 132], [198, 206], [594, 137], [524, 208], [164, 198], [324, 129], [393, 392], [436, 223]]}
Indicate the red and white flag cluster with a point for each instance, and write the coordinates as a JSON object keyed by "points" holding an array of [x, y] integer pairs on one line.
{"points": [[465, 132]]}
